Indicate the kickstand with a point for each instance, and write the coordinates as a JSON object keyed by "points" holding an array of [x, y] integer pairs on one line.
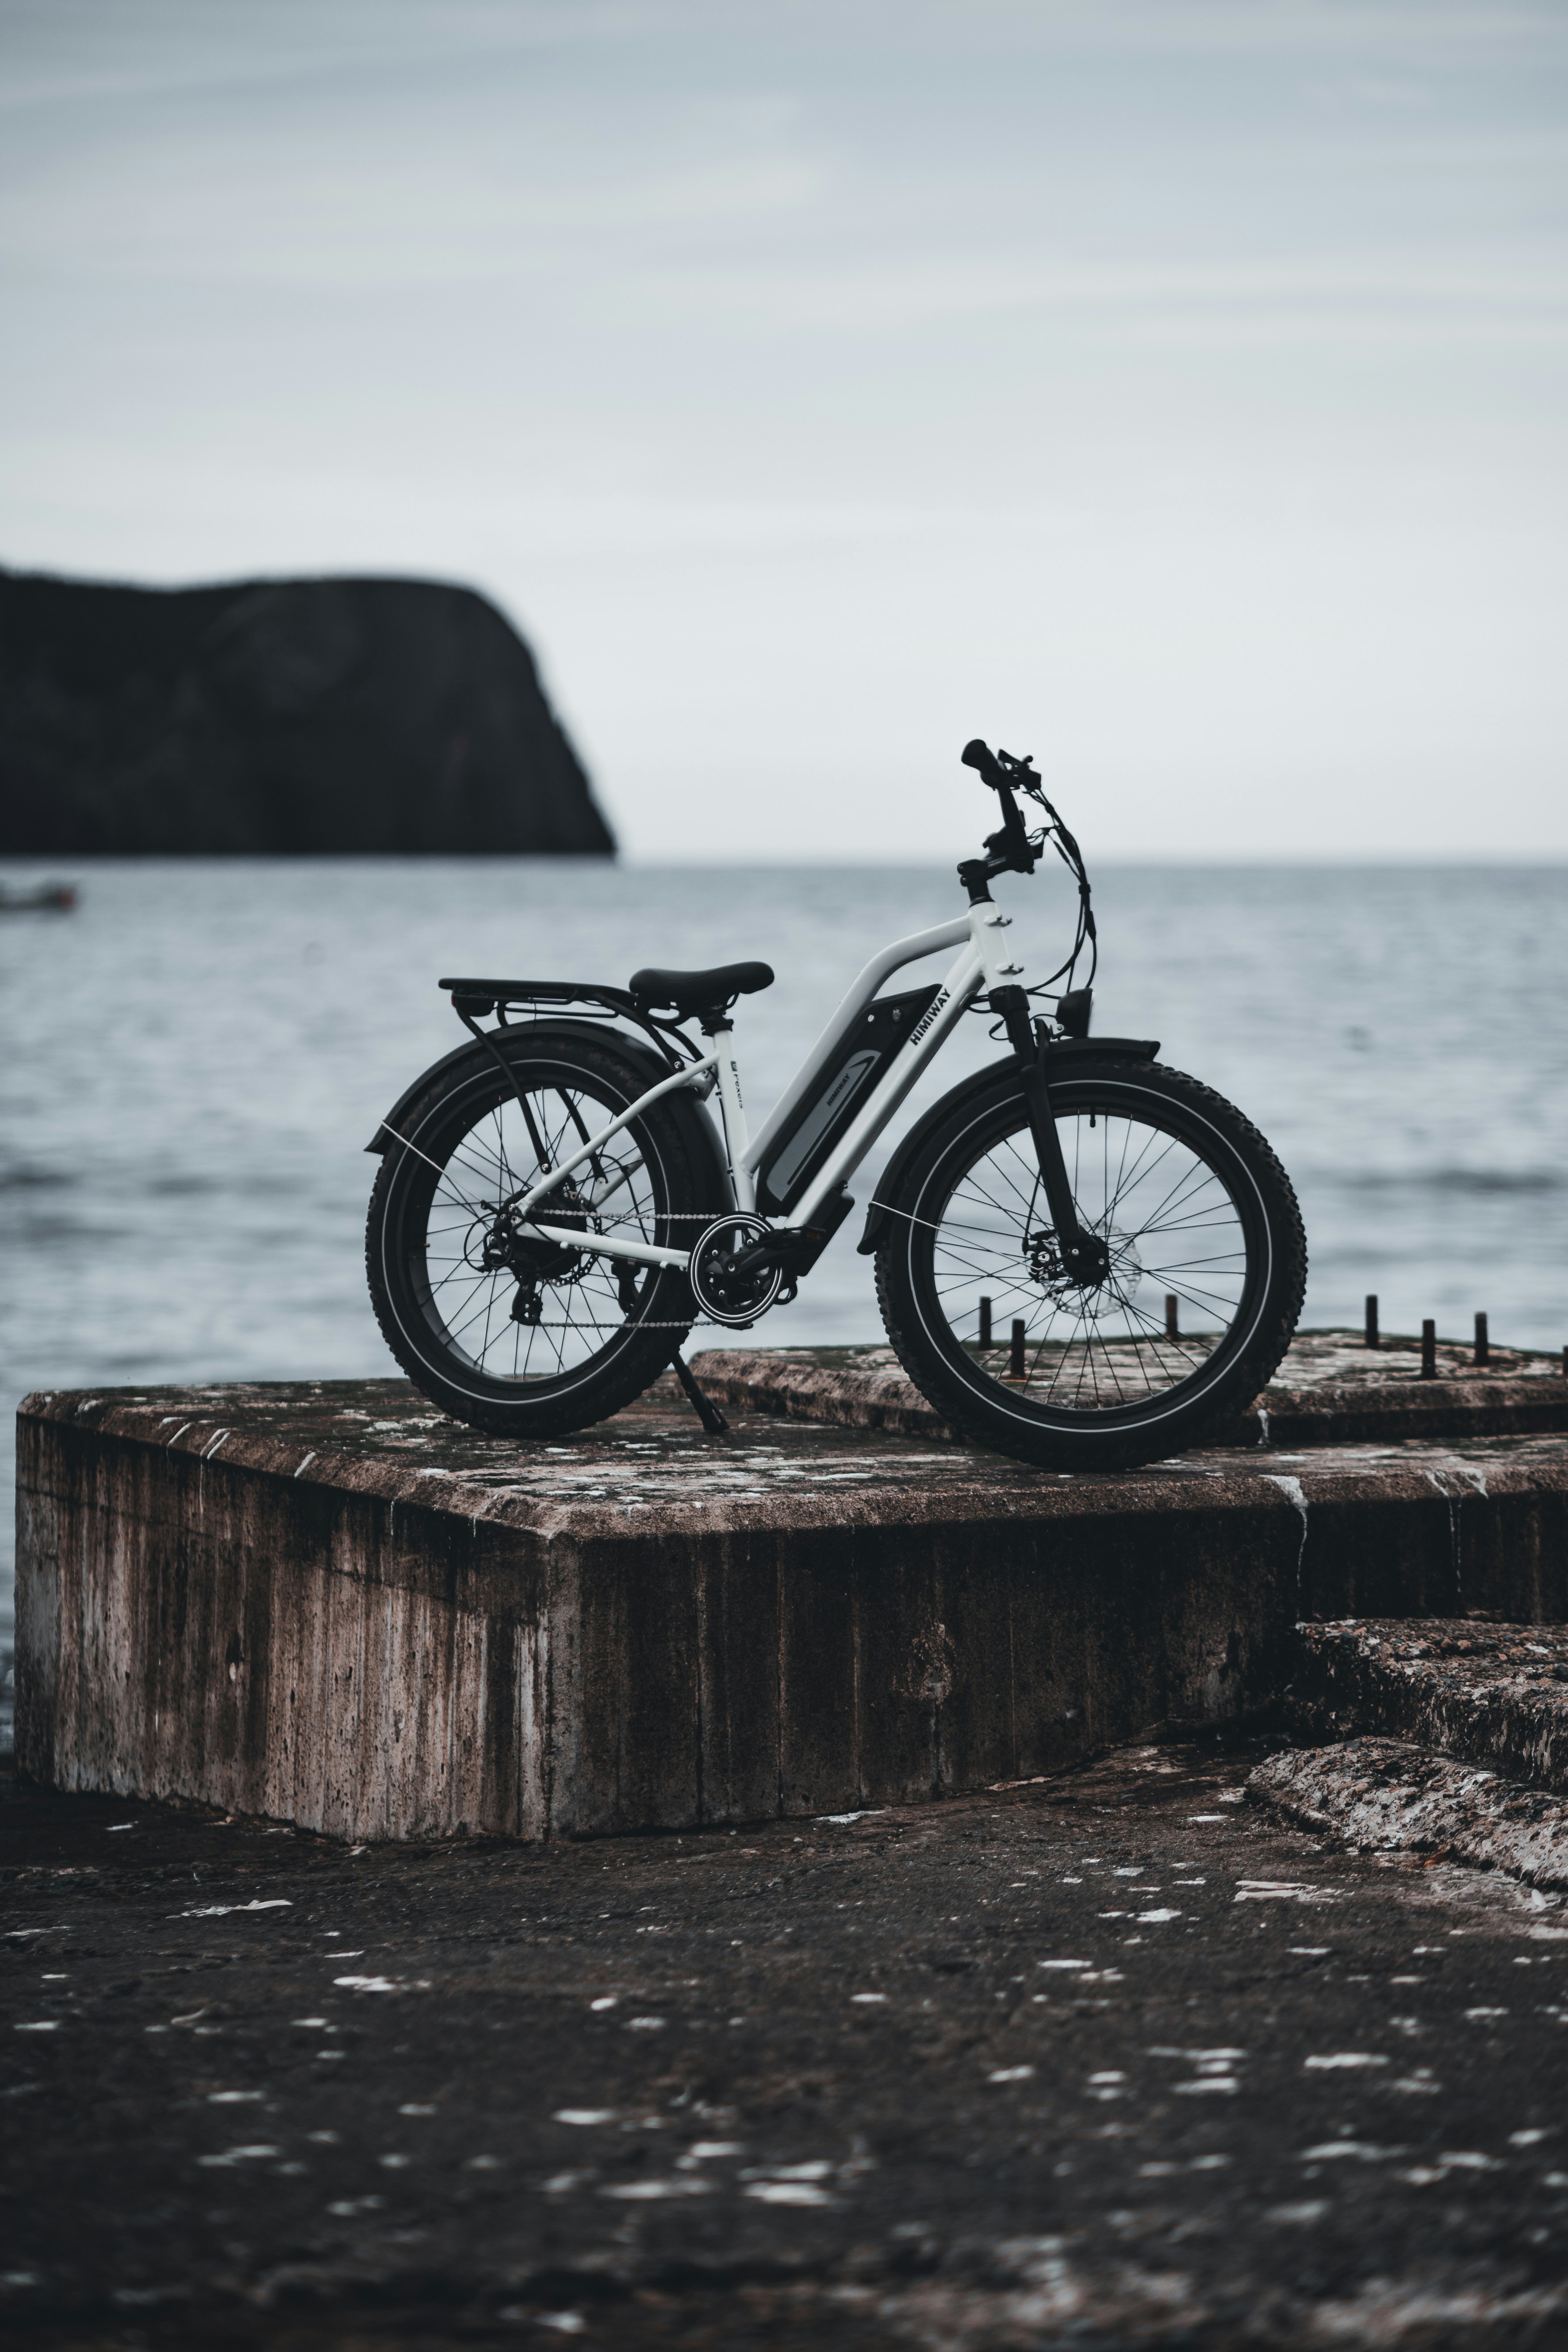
{"points": [[707, 1411]]}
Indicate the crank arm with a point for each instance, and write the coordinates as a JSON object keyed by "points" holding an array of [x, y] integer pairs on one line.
{"points": [[1084, 1255], [795, 1248]]}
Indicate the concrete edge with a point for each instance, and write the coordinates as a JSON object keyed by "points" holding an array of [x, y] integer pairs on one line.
{"points": [[1187, 1484], [1351, 1682], [790, 1387], [1388, 1795]]}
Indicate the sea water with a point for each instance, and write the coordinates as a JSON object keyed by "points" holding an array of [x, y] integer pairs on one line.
{"points": [[196, 1058]]}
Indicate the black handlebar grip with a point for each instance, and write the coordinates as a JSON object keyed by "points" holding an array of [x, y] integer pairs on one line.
{"points": [[977, 755]]}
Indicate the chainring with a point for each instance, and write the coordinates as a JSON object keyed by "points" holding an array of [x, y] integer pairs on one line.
{"points": [[724, 1295]]}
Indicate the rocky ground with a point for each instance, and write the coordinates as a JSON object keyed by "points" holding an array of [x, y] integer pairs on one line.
{"points": [[1114, 2059]]}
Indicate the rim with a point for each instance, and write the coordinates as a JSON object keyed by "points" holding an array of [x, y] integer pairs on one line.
{"points": [[519, 1317], [1172, 1203]]}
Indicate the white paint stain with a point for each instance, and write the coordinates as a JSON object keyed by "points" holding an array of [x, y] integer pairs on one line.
{"points": [[647, 2191], [220, 1910], [1295, 1495]]}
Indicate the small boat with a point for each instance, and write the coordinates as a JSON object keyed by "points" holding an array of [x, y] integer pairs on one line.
{"points": [[50, 898]]}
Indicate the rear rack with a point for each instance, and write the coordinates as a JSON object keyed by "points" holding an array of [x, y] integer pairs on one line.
{"points": [[477, 997], [472, 1000]]}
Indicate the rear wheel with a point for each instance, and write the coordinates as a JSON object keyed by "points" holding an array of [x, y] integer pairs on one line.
{"points": [[523, 1337], [1208, 1265]]}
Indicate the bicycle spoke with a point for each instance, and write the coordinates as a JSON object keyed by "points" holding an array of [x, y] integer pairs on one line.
{"points": [[518, 1309], [1174, 1231]]}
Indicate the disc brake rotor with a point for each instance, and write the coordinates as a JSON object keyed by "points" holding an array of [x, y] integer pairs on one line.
{"points": [[1117, 1290]]}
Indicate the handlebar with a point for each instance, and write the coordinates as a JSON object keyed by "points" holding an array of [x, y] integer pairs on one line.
{"points": [[1011, 850], [979, 755], [1015, 850]]}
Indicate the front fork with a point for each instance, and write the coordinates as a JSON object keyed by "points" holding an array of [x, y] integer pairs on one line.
{"points": [[1085, 1255]]}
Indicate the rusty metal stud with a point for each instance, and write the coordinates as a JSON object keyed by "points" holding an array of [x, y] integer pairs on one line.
{"points": [[1372, 1339], [1482, 1354], [1429, 1350], [1173, 1326], [1017, 1369]]}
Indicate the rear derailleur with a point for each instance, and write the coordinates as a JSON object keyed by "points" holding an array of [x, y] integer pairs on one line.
{"points": [[501, 1248]]}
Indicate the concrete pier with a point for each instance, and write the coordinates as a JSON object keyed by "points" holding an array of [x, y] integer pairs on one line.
{"points": [[1331, 1390], [328, 1604]]}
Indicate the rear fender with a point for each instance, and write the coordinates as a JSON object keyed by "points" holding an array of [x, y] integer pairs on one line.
{"points": [[644, 1068], [1061, 1055]]}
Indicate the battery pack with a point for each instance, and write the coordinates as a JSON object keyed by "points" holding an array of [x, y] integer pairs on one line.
{"points": [[818, 1123]]}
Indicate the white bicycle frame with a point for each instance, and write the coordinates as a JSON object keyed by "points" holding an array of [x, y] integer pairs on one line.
{"points": [[982, 965]]}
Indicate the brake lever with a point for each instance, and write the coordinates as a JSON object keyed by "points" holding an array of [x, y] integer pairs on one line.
{"points": [[1012, 841]]}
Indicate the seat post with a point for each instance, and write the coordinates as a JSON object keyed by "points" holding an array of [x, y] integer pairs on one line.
{"points": [[723, 1036]]}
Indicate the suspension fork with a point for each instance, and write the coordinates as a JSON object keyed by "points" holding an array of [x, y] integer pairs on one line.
{"points": [[1084, 1255]]}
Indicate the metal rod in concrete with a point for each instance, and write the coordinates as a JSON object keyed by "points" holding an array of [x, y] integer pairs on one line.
{"points": [[1372, 1339], [1172, 1326], [985, 1322], [1482, 1350], [1017, 1369], [1429, 1350]]}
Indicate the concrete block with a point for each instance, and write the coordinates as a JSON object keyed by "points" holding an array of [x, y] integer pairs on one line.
{"points": [[1388, 1795], [327, 1604], [1496, 1693], [1331, 1390]]}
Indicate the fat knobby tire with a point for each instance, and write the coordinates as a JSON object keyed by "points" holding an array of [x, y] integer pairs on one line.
{"points": [[632, 1355], [1202, 1407]]}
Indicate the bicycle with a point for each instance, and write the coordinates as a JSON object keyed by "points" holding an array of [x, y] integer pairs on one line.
{"points": [[1083, 1259]]}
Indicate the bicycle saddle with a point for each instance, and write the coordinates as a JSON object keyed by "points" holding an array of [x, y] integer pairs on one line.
{"points": [[700, 991]]}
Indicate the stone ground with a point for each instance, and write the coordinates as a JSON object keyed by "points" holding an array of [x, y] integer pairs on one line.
{"points": [[1112, 2059]]}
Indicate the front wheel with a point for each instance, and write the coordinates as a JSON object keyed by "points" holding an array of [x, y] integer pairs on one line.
{"points": [[1208, 1268]]}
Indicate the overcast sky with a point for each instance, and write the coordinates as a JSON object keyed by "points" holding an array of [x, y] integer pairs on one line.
{"points": [[1174, 390]]}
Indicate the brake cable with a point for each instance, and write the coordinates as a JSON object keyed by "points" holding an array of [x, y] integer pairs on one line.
{"points": [[1020, 774]]}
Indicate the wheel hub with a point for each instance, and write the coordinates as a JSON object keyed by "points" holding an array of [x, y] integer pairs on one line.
{"points": [[1109, 1276], [490, 1248]]}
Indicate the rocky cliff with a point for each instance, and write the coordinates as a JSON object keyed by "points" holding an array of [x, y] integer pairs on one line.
{"points": [[275, 717]]}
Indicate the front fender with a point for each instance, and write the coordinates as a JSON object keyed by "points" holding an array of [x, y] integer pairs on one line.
{"points": [[1059, 1054]]}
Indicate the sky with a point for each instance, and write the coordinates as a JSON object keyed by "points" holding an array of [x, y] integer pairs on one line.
{"points": [[1173, 389]]}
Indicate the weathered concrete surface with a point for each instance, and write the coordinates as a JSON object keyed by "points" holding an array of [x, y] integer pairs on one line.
{"points": [[1111, 2061], [1389, 1796], [328, 1604], [1496, 1693], [1331, 1390]]}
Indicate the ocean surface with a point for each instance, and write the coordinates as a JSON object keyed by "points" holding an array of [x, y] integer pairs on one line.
{"points": [[196, 1059]]}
